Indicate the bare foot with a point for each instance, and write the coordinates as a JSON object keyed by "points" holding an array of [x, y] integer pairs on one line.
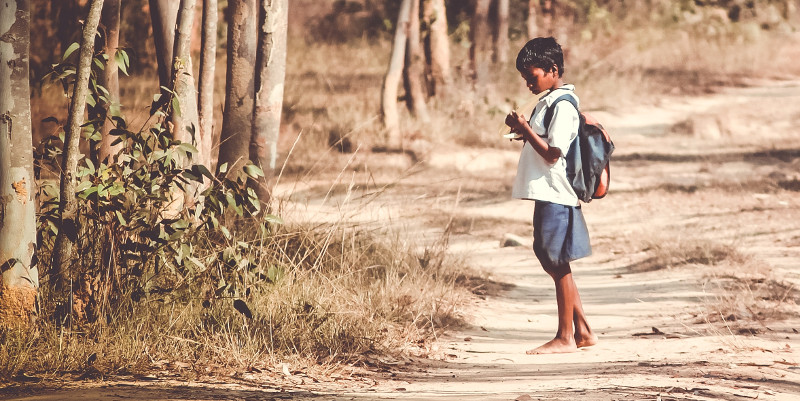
{"points": [[585, 340], [554, 346]]}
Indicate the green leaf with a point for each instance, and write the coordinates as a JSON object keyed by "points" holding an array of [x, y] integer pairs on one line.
{"points": [[122, 61], [223, 168], [99, 64], [125, 57], [272, 219], [84, 185], [176, 106], [90, 165], [74, 46], [201, 169], [253, 171], [187, 148], [121, 219]]}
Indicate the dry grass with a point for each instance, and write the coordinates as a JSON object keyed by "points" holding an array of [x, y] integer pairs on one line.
{"points": [[324, 294], [749, 295], [744, 293], [665, 252]]}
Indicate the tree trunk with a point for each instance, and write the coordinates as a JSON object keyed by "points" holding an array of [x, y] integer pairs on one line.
{"points": [[110, 77], [548, 13], [185, 122], [270, 73], [480, 50], [530, 22], [391, 119], [437, 45], [208, 59], [164, 15], [414, 67], [237, 120], [501, 43], [20, 275], [68, 207]]}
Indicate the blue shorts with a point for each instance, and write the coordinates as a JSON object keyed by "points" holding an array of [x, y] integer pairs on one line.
{"points": [[559, 234]]}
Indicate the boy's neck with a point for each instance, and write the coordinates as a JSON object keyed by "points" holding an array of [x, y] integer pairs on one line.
{"points": [[558, 85]]}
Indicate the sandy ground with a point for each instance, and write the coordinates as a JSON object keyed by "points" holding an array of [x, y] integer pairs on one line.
{"points": [[721, 170]]}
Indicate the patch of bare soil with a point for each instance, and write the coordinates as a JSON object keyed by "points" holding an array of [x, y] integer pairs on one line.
{"points": [[692, 287]]}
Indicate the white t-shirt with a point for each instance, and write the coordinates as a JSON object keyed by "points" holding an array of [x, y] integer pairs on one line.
{"points": [[536, 179]]}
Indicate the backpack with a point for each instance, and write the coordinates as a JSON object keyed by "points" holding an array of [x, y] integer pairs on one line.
{"points": [[588, 157]]}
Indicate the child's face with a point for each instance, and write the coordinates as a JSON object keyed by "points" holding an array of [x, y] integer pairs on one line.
{"points": [[538, 80]]}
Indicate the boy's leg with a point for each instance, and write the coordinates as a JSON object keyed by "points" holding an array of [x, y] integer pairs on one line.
{"points": [[566, 294], [584, 337]]}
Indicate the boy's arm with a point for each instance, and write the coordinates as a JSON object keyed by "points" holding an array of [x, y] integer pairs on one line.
{"points": [[520, 125]]}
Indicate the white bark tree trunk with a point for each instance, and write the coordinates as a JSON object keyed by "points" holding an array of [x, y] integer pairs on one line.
{"points": [[110, 76], [185, 122], [530, 22], [480, 51], [20, 276], [548, 14], [501, 43], [270, 75], [391, 118], [208, 58], [414, 67]]}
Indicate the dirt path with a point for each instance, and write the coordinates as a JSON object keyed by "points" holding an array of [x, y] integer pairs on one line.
{"points": [[723, 182]]}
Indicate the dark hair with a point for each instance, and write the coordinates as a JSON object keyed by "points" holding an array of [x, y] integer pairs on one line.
{"points": [[541, 53]]}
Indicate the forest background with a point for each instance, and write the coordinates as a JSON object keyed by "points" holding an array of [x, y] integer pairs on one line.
{"points": [[242, 287]]}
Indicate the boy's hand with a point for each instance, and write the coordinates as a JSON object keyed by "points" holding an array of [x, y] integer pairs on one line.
{"points": [[517, 122]]}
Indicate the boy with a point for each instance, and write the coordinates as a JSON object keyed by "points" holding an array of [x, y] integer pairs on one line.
{"points": [[559, 230]]}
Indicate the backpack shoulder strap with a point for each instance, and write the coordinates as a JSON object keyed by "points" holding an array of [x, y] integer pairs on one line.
{"points": [[548, 115]]}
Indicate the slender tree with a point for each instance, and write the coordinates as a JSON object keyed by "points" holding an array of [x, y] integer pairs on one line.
{"points": [[237, 119], [501, 44], [414, 67], [548, 14], [68, 207], [110, 76], [391, 119], [164, 16], [20, 275], [184, 120], [480, 50], [530, 22], [270, 75], [437, 45], [205, 97]]}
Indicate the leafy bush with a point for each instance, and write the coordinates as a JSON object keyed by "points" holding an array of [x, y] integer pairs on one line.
{"points": [[143, 211]]}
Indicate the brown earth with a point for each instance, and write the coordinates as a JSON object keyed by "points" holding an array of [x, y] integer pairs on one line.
{"points": [[692, 288]]}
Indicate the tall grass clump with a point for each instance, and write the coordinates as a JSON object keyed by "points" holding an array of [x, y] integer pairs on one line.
{"points": [[680, 250], [749, 292], [316, 293]]}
